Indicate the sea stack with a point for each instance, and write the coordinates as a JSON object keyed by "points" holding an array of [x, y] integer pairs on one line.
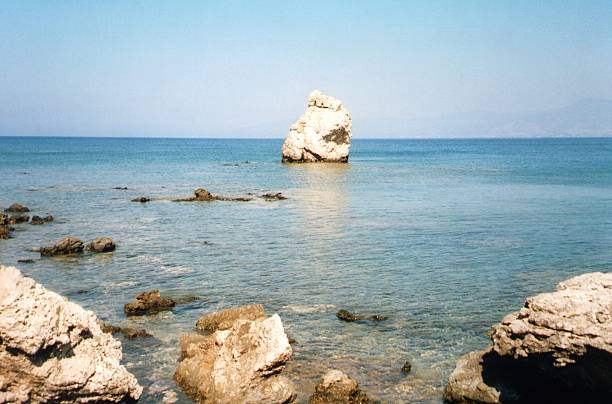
{"points": [[321, 134]]}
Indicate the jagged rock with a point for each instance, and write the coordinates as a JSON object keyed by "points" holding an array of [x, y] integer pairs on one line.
{"points": [[346, 315], [17, 208], [52, 350], [149, 302], [225, 319], [322, 133], [558, 348], [142, 199], [102, 245], [274, 196], [337, 388], [65, 246], [37, 220], [237, 365]]}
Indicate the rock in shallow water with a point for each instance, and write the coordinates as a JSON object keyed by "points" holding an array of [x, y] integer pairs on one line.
{"points": [[65, 246], [225, 319], [558, 348], [102, 245], [52, 350], [322, 133], [17, 208], [237, 365], [338, 388], [148, 302]]}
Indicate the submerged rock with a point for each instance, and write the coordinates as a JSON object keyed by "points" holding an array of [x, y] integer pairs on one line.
{"points": [[65, 246], [25, 261], [346, 315], [225, 319], [52, 350], [274, 196], [142, 199], [19, 219], [237, 365], [17, 208], [322, 133], [556, 348], [37, 220], [337, 388], [128, 332], [149, 302], [48, 218], [102, 245]]}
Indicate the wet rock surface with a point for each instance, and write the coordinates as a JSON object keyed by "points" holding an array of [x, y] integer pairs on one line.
{"points": [[406, 367], [37, 220], [65, 246], [240, 364], [17, 208], [25, 261], [202, 195], [128, 332], [337, 388], [348, 316], [52, 350], [5, 232], [102, 245], [321, 134], [225, 319], [148, 303], [16, 219], [556, 348], [142, 199], [270, 196]]}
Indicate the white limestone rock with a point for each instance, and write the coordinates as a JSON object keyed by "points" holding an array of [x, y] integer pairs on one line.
{"points": [[53, 350], [321, 134]]}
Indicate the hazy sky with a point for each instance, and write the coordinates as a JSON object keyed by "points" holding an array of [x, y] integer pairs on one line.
{"points": [[196, 68]]}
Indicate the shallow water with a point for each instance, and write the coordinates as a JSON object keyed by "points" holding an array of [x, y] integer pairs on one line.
{"points": [[442, 236]]}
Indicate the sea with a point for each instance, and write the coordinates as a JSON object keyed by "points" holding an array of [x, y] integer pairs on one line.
{"points": [[443, 237]]}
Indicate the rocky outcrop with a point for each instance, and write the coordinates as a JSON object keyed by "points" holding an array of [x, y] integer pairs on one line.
{"points": [[102, 245], [558, 347], [225, 319], [237, 365], [52, 350], [337, 388], [148, 303], [65, 246], [322, 133], [17, 208]]}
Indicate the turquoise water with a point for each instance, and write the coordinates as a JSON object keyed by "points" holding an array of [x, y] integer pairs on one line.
{"points": [[442, 236]]}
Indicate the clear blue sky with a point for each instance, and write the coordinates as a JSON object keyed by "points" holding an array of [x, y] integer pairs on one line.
{"points": [[196, 68]]}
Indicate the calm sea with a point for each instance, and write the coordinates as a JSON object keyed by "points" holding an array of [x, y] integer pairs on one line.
{"points": [[442, 236]]}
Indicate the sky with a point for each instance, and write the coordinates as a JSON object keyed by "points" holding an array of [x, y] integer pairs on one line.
{"points": [[245, 68]]}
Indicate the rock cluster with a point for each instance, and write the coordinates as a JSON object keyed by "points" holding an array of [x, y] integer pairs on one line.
{"points": [[148, 303], [202, 195], [52, 350], [558, 347], [322, 133], [337, 388], [17, 208], [237, 365]]}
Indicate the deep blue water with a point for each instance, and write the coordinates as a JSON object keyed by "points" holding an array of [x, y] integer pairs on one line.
{"points": [[442, 236]]}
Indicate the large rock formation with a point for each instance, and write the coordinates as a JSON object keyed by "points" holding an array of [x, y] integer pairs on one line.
{"points": [[52, 350], [238, 365], [322, 133], [556, 348]]}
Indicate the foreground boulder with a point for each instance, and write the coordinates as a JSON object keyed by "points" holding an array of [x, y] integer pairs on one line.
{"points": [[17, 208], [337, 388], [322, 133], [558, 348], [148, 303], [238, 365], [225, 319], [65, 246], [52, 350], [102, 245]]}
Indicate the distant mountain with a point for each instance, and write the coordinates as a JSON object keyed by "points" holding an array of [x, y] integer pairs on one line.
{"points": [[589, 117]]}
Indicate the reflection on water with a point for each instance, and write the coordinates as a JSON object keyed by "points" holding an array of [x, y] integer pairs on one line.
{"points": [[443, 237]]}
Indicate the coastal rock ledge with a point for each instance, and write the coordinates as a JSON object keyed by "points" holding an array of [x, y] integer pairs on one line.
{"points": [[52, 350], [321, 134], [557, 348]]}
